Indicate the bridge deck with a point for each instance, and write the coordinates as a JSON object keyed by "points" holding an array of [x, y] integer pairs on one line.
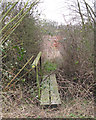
{"points": [[45, 93], [50, 94], [55, 98]]}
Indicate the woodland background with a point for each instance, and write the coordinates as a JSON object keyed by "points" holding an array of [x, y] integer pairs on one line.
{"points": [[21, 38]]}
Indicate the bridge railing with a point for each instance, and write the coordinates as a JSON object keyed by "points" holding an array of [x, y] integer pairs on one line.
{"points": [[36, 66]]}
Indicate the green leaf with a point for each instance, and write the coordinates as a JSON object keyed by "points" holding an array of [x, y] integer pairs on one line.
{"points": [[23, 80], [76, 62], [74, 78]]}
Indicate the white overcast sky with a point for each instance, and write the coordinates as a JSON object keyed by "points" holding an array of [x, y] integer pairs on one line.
{"points": [[54, 9]]}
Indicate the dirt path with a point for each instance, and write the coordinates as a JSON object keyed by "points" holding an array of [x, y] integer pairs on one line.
{"points": [[32, 111], [50, 48]]}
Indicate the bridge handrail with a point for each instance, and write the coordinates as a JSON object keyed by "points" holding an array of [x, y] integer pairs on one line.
{"points": [[35, 62], [35, 65]]}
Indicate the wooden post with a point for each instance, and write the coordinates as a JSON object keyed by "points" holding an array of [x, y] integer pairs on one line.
{"points": [[38, 84], [35, 65], [41, 74]]}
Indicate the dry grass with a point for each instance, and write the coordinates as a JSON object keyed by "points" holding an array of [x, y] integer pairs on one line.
{"points": [[77, 109], [77, 101]]}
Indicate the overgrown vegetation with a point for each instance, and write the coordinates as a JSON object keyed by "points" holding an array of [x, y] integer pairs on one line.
{"points": [[18, 47], [21, 41], [49, 67]]}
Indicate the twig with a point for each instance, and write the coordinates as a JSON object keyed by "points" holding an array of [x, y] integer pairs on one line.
{"points": [[18, 73]]}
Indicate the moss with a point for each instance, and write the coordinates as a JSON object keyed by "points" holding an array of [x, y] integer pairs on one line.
{"points": [[49, 66]]}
